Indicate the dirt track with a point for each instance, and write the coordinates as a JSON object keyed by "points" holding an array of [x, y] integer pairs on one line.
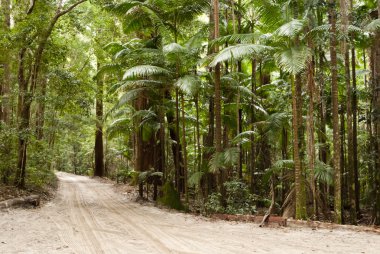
{"points": [[88, 217]]}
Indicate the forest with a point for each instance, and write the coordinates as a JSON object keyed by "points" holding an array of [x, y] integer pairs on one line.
{"points": [[206, 106]]}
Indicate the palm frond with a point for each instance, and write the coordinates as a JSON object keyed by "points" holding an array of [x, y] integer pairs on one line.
{"points": [[242, 137], [292, 28], [373, 27], [145, 71], [189, 84], [238, 52], [294, 60], [234, 38], [174, 48], [129, 96], [109, 69], [195, 178]]}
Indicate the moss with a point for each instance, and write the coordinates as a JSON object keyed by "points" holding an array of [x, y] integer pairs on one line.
{"points": [[170, 197]]}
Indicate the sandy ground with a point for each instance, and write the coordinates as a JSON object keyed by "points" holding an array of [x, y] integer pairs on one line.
{"points": [[87, 216]]}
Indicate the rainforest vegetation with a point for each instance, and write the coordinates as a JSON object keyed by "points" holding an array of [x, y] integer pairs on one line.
{"points": [[215, 106]]}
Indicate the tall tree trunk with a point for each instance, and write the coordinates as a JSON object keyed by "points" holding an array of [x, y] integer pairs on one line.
{"points": [[40, 112], [217, 96], [376, 120], [355, 133], [350, 146], [297, 148], [310, 133], [5, 83], [335, 113], [99, 151], [208, 181], [253, 148], [184, 146]]}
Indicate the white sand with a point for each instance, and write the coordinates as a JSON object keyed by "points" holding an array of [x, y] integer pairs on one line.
{"points": [[88, 217]]}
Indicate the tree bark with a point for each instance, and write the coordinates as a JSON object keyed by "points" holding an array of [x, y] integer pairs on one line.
{"points": [[297, 148], [335, 114], [5, 84], [217, 96], [310, 134], [99, 149], [376, 120]]}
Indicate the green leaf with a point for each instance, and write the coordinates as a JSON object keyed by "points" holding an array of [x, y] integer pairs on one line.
{"points": [[292, 28], [294, 60], [174, 48], [231, 156], [189, 84], [373, 27], [238, 52], [144, 71], [195, 178]]}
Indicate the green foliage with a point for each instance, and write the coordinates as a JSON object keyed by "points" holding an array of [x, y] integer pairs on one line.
{"points": [[225, 159], [238, 200], [214, 204], [170, 197], [238, 52], [294, 60]]}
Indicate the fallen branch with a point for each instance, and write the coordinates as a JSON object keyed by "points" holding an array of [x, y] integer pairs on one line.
{"points": [[250, 218], [32, 200]]}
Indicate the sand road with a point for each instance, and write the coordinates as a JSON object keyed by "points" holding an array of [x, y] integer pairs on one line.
{"points": [[87, 216]]}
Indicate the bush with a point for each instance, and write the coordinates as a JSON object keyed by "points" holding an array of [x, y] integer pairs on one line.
{"points": [[214, 203], [238, 200], [170, 197]]}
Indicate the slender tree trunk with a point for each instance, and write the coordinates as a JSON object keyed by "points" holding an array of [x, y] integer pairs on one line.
{"points": [[355, 133], [376, 120], [99, 150], [335, 113], [184, 147], [217, 96], [5, 84], [297, 148], [40, 112], [350, 149], [253, 148], [310, 133]]}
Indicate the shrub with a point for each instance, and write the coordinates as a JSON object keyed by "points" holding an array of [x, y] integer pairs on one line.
{"points": [[238, 200], [170, 197]]}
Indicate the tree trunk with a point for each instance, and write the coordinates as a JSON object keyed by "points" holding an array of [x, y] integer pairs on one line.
{"points": [[376, 120], [5, 83], [335, 113], [297, 148], [217, 96], [99, 150], [184, 146], [310, 133], [355, 133], [40, 112], [253, 148]]}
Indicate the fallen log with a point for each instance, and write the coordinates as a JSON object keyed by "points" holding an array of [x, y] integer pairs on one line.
{"points": [[32, 200], [273, 219]]}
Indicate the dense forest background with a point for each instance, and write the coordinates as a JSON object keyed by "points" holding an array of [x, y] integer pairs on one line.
{"points": [[217, 106]]}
